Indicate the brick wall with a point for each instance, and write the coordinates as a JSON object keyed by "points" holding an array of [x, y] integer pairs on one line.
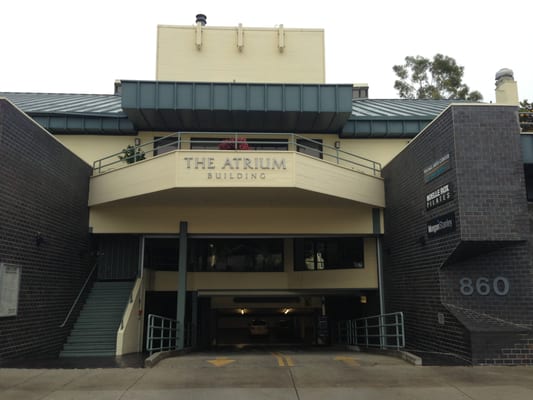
{"points": [[43, 189], [465, 290]]}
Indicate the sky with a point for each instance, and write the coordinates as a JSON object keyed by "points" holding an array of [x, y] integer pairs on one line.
{"points": [[59, 46]]}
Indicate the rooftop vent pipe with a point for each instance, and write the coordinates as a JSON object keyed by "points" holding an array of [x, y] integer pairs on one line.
{"points": [[506, 87], [201, 19]]}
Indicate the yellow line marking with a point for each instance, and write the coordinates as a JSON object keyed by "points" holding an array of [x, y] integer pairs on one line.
{"points": [[351, 361], [290, 363], [282, 359], [281, 363], [220, 361]]}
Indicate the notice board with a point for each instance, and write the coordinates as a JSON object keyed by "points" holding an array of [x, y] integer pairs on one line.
{"points": [[9, 289]]}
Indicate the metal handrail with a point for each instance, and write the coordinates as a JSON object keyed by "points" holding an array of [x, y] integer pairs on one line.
{"points": [[374, 331], [79, 296], [139, 151], [162, 333]]}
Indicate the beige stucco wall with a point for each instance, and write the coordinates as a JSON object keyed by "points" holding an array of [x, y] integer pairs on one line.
{"points": [[93, 147], [233, 54], [221, 301], [131, 330], [380, 150], [131, 218], [290, 280], [236, 169]]}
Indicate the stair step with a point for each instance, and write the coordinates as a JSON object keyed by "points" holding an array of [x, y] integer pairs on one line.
{"points": [[95, 308], [102, 312], [94, 333], [103, 329], [95, 327], [103, 318], [100, 321], [92, 340], [86, 354], [89, 347]]}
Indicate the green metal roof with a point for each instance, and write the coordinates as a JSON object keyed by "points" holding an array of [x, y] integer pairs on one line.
{"points": [[253, 107], [74, 113], [61, 103], [398, 108], [391, 118], [197, 106]]}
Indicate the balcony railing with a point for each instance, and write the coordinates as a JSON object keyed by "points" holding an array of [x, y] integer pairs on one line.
{"points": [[235, 141]]}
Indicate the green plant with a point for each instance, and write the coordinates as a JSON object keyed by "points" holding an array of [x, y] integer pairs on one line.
{"points": [[132, 154]]}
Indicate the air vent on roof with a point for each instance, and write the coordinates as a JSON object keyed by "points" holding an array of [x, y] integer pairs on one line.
{"points": [[201, 19]]}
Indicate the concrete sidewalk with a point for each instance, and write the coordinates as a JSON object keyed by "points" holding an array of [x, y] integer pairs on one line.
{"points": [[275, 375]]}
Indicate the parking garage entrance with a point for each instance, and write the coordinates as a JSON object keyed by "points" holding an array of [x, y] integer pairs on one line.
{"points": [[219, 319]]}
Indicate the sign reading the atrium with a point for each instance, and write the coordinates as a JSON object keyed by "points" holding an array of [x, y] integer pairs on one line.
{"points": [[236, 168]]}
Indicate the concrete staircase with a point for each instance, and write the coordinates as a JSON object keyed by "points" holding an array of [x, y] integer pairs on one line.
{"points": [[95, 331]]}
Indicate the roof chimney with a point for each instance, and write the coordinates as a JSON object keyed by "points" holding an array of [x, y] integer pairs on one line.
{"points": [[118, 88], [506, 88], [201, 19], [360, 91]]}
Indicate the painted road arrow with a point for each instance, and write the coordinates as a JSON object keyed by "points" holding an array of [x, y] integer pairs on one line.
{"points": [[351, 361], [220, 361]]}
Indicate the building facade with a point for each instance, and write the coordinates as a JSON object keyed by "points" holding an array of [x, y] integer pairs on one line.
{"points": [[239, 187]]}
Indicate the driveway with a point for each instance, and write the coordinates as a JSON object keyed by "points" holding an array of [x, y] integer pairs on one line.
{"points": [[272, 373]]}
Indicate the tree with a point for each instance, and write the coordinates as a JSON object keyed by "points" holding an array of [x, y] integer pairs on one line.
{"points": [[526, 106], [525, 116], [440, 78]]}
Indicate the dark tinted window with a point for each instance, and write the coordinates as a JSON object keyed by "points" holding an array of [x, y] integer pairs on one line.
{"points": [[328, 253]]}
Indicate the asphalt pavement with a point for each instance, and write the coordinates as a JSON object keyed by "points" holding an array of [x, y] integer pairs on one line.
{"points": [[270, 373]]}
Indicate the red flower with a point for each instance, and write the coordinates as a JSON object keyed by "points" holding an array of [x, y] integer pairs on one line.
{"points": [[232, 144]]}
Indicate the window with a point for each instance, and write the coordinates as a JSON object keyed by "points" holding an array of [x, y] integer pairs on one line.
{"points": [[310, 147], [165, 145], [236, 255], [205, 143], [268, 144], [328, 253], [253, 144], [161, 254]]}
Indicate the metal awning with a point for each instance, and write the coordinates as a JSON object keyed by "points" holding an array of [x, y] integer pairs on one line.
{"points": [[226, 107]]}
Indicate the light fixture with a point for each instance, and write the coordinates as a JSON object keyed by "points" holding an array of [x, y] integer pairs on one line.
{"points": [[242, 311], [286, 311], [362, 299], [137, 141], [337, 144]]}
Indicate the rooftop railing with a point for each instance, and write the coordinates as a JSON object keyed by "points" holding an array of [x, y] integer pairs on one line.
{"points": [[186, 141]]}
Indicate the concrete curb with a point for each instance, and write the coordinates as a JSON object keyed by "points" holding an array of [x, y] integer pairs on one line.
{"points": [[404, 355], [155, 358]]}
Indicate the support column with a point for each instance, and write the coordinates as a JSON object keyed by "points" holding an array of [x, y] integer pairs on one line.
{"points": [[194, 319], [379, 254], [382, 329], [182, 287]]}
